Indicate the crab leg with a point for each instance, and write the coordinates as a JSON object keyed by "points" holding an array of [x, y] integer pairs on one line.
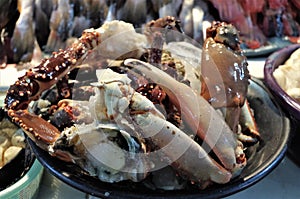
{"points": [[196, 111], [184, 154], [40, 78], [248, 125]]}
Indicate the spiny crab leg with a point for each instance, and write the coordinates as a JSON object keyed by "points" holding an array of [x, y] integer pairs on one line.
{"points": [[196, 111], [40, 78]]}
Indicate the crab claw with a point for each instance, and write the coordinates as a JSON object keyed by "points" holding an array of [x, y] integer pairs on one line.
{"points": [[181, 149], [196, 111], [224, 68], [37, 128], [249, 125], [40, 131], [172, 146]]}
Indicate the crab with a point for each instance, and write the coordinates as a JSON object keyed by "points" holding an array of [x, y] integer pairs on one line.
{"points": [[117, 120], [225, 79]]}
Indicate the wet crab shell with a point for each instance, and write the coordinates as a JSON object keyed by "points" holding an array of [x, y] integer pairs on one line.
{"points": [[225, 76]]}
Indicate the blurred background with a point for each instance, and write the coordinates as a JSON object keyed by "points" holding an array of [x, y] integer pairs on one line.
{"points": [[31, 26]]}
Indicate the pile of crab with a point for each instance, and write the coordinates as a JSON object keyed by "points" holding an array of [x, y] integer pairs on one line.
{"points": [[128, 104]]}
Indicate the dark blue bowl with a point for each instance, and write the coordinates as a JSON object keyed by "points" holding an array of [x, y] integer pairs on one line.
{"points": [[289, 105]]}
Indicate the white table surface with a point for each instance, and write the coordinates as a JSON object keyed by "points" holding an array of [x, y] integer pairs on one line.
{"points": [[282, 183]]}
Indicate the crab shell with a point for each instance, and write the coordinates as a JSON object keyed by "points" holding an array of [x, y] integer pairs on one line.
{"points": [[225, 76]]}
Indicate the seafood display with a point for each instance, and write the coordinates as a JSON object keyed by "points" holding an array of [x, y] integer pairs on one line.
{"points": [[54, 24], [144, 98], [259, 20], [287, 75]]}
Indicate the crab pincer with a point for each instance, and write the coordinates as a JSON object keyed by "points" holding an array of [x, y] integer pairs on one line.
{"points": [[225, 77], [173, 146], [200, 116]]}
